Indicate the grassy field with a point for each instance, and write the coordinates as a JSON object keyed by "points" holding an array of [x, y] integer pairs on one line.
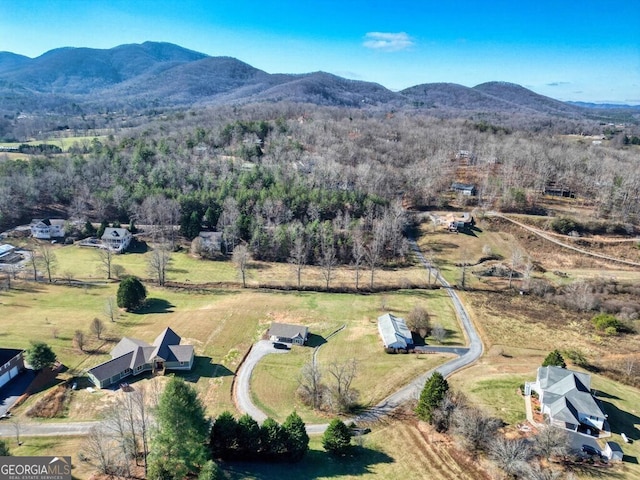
{"points": [[63, 142], [392, 450], [275, 379]]}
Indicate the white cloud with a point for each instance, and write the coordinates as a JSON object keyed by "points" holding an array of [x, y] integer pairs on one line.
{"points": [[387, 42]]}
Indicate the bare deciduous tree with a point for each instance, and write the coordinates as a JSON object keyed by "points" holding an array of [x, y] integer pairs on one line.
{"points": [[511, 455], [358, 251], [373, 252], [105, 255], [341, 397], [439, 333], [299, 253], [48, 260], [516, 260], [158, 263], [78, 340], [551, 441], [310, 384], [418, 320], [241, 258], [328, 259], [474, 428], [111, 309], [97, 327]]}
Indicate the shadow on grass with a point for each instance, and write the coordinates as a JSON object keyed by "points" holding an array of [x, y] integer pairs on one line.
{"points": [[314, 340], [156, 305], [621, 421], [204, 367], [601, 394], [315, 464]]}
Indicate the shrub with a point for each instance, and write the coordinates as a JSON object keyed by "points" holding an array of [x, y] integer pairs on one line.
{"points": [[554, 359], [337, 437], [607, 323]]}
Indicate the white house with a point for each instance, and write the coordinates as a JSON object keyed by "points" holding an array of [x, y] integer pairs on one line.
{"points": [[116, 239], [565, 397], [48, 228], [394, 332]]}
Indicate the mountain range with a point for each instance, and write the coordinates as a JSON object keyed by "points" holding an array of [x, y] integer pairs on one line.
{"points": [[152, 74]]}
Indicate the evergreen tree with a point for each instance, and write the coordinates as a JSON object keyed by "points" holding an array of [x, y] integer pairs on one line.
{"points": [[101, 229], [89, 229], [178, 446], [337, 437], [4, 449], [554, 359], [432, 395], [40, 356], [249, 445], [209, 471], [274, 440], [131, 293], [224, 436], [297, 438]]}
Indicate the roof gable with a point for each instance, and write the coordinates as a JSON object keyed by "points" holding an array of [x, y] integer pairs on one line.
{"points": [[287, 330]]}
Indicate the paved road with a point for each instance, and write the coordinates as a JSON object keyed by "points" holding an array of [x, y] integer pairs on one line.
{"points": [[242, 389], [467, 355]]}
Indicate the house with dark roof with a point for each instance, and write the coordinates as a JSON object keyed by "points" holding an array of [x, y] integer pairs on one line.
{"points": [[11, 364], [288, 333], [394, 332], [565, 397], [133, 357]]}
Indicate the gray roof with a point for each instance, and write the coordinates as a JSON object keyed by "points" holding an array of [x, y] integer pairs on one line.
{"points": [[111, 232], [287, 330], [394, 329], [567, 392], [108, 369], [132, 353]]}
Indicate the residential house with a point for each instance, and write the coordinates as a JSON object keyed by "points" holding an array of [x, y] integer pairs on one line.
{"points": [[287, 333], [11, 364], [116, 239], [8, 254], [394, 332], [466, 189], [133, 357], [565, 397], [47, 228]]}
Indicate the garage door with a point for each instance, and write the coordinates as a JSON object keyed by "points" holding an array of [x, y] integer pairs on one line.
{"points": [[4, 378], [13, 372]]}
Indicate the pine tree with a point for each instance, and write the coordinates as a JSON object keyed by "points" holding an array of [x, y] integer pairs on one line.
{"points": [[554, 359], [40, 355], [249, 445], [337, 437], [178, 446], [298, 440], [432, 395], [224, 436]]}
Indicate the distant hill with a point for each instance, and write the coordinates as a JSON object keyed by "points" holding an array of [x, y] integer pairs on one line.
{"points": [[138, 76]]}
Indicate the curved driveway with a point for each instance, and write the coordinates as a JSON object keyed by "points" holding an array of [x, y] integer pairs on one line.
{"points": [[466, 356]]}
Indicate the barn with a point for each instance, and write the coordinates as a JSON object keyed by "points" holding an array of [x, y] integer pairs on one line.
{"points": [[394, 332]]}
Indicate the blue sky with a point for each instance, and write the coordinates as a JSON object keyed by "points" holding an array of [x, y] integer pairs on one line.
{"points": [[568, 49]]}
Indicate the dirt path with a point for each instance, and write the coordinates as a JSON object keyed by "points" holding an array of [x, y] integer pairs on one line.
{"points": [[552, 238]]}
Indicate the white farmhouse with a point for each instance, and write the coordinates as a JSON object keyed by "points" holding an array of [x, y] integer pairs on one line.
{"points": [[48, 228], [116, 239]]}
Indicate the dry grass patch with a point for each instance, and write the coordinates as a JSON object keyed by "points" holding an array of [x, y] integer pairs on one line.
{"points": [[56, 446]]}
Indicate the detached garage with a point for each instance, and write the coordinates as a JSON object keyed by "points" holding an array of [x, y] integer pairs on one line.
{"points": [[11, 364]]}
